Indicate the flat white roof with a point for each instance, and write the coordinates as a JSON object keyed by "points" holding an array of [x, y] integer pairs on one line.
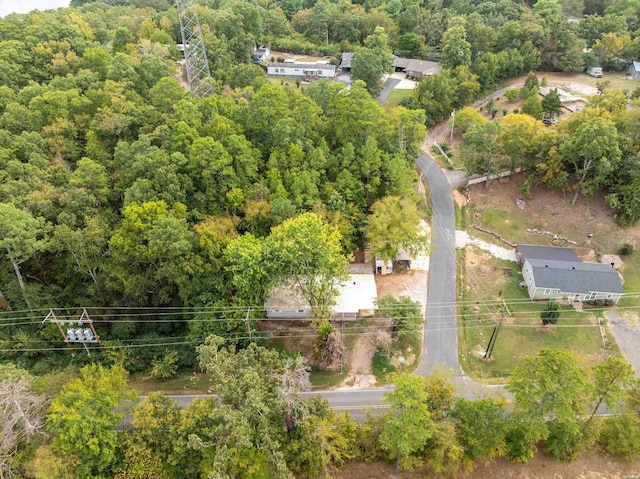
{"points": [[358, 293]]}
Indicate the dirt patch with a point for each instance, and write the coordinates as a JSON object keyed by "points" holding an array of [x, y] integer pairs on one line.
{"points": [[408, 283], [361, 356], [543, 466], [459, 198], [590, 223], [293, 335], [479, 273]]}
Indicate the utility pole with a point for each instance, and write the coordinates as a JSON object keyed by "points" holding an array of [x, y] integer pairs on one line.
{"points": [[76, 334], [195, 56], [496, 330], [453, 121], [247, 325]]}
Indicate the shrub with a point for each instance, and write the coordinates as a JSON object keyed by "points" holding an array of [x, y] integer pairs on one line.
{"points": [[626, 249], [621, 435], [512, 94], [550, 313], [165, 368], [504, 112], [382, 365]]}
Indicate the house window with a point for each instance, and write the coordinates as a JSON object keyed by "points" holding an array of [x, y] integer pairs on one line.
{"points": [[593, 295], [610, 296], [547, 292], [301, 311], [297, 70]]}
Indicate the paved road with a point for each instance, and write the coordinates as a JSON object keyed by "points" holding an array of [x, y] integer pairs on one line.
{"points": [[388, 87], [354, 401], [626, 331], [441, 335]]}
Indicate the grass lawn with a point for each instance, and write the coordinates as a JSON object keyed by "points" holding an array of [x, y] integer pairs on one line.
{"points": [[295, 83], [485, 282], [397, 96]]}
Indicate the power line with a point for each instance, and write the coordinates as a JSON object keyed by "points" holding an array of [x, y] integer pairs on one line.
{"points": [[275, 335]]}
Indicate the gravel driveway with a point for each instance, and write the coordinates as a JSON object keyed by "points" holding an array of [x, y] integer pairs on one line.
{"points": [[625, 328]]}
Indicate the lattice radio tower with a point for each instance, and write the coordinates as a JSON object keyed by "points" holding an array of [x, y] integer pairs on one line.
{"points": [[198, 74]]}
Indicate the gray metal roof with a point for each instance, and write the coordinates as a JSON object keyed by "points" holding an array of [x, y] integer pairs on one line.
{"points": [[308, 66], [560, 268], [551, 253], [346, 60], [576, 277], [415, 65]]}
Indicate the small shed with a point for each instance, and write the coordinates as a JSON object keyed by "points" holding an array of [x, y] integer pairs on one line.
{"points": [[384, 267], [404, 259], [634, 70], [612, 260], [260, 54]]}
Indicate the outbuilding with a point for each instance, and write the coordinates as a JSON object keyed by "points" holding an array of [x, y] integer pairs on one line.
{"points": [[634, 70]]}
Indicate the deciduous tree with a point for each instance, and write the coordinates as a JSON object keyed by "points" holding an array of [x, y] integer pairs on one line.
{"points": [[84, 416], [21, 235], [408, 425], [307, 255], [394, 225]]}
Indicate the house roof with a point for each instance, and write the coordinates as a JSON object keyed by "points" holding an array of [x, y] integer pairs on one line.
{"points": [[358, 293], [575, 276], [346, 60], [551, 253], [636, 65], [422, 66], [310, 66]]}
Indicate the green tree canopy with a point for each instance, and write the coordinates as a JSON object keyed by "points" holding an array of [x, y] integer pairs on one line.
{"points": [[394, 225], [84, 416]]}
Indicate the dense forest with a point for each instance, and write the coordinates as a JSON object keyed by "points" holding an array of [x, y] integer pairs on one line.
{"points": [[120, 191], [169, 219]]}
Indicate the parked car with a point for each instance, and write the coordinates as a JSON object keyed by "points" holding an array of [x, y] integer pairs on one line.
{"points": [[595, 72]]}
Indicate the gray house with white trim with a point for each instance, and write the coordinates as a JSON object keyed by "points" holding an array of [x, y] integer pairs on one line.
{"points": [[552, 272]]}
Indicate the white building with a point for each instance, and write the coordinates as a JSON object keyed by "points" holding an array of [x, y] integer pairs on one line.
{"points": [[306, 71], [356, 299]]}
